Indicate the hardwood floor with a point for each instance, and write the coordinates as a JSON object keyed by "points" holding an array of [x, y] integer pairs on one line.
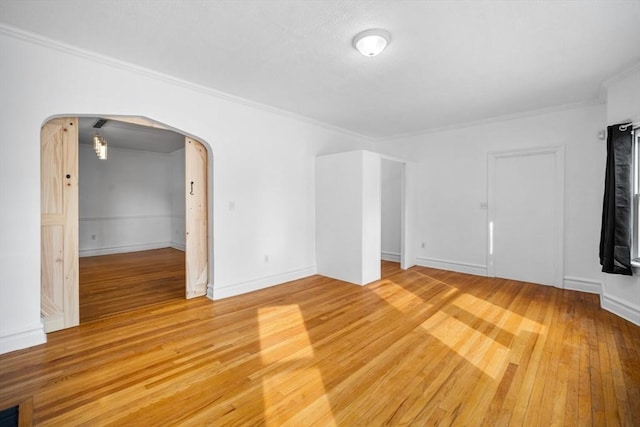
{"points": [[420, 347], [114, 284]]}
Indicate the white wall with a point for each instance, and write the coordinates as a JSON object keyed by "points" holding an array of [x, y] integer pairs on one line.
{"points": [[177, 198], [452, 183], [621, 294], [348, 216], [623, 97], [371, 217], [262, 163], [125, 201], [391, 190]]}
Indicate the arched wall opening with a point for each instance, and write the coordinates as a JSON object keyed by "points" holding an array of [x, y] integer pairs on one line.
{"points": [[59, 214]]}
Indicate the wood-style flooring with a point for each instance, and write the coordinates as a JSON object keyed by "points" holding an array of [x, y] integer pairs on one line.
{"points": [[115, 284], [419, 347]]}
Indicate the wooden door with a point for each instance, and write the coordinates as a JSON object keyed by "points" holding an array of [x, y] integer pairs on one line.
{"points": [[59, 224], [196, 205]]}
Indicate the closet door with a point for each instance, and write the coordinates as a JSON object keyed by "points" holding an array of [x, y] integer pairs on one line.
{"points": [[526, 215], [59, 224], [196, 205]]}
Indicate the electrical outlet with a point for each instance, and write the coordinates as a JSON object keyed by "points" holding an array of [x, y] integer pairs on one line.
{"points": [[422, 245], [484, 205], [266, 258], [93, 237]]}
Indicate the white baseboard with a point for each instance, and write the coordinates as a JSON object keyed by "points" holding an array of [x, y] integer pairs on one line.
{"points": [[620, 308], [178, 245], [460, 267], [582, 285], [264, 282], [607, 302], [11, 341], [123, 249], [390, 256]]}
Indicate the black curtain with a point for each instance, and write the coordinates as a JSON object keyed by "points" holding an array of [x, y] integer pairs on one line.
{"points": [[615, 235]]}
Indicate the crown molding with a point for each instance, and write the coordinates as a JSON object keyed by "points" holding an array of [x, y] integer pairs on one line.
{"points": [[38, 39], [494, 119], [34, 38], [604, 86], [621, 75]]}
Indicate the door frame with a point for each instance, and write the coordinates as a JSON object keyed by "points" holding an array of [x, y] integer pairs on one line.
{"points": [[143, 121], [407, 211], [558, 198]]}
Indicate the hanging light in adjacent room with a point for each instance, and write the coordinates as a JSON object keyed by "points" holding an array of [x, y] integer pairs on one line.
{"points": [[371, 42], [100, 146], [99, 143], [102, 154], [97, 140]]}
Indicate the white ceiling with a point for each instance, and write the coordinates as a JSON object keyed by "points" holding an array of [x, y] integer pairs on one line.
{"points": [[448, 62], [130, 136]]}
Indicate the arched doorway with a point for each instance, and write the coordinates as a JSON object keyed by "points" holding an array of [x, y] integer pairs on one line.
{"points": [[59, 218]]}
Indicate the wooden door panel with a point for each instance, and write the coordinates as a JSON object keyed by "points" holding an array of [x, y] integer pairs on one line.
{"points": [[196, 206], [51, 170], [52, 268], [59, 223], [52, 277]]}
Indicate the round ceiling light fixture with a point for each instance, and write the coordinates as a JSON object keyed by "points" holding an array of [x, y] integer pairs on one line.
{"points": [[371, 42]]}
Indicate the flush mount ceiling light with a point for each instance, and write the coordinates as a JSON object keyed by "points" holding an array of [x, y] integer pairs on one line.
{"points": [[371, 42]]}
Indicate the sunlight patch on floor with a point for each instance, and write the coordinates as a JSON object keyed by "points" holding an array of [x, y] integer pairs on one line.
{"points": [[289, 384], [490, 349], [475, 348], [283, 335], [516, 323], [304, 389]]}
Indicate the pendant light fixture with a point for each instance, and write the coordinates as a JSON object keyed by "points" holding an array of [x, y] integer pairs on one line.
{"points": [[371, 42], [102, 153], [99, 143], [100, 146]]}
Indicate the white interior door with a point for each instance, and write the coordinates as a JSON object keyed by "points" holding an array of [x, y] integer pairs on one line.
{"points": [[525, 216]]}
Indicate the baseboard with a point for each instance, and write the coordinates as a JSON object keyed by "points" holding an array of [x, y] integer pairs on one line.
{"points": [[607, 302], [582, 285], [264, 282], [179, 246], [620, 308], [121, 217], [12, 341], [53, 323], [460, 267], [390, 256], [123, 249]]}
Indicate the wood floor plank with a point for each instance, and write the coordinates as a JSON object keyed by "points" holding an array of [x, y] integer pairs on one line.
{"points": [[118, 283], [419, 347]]}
